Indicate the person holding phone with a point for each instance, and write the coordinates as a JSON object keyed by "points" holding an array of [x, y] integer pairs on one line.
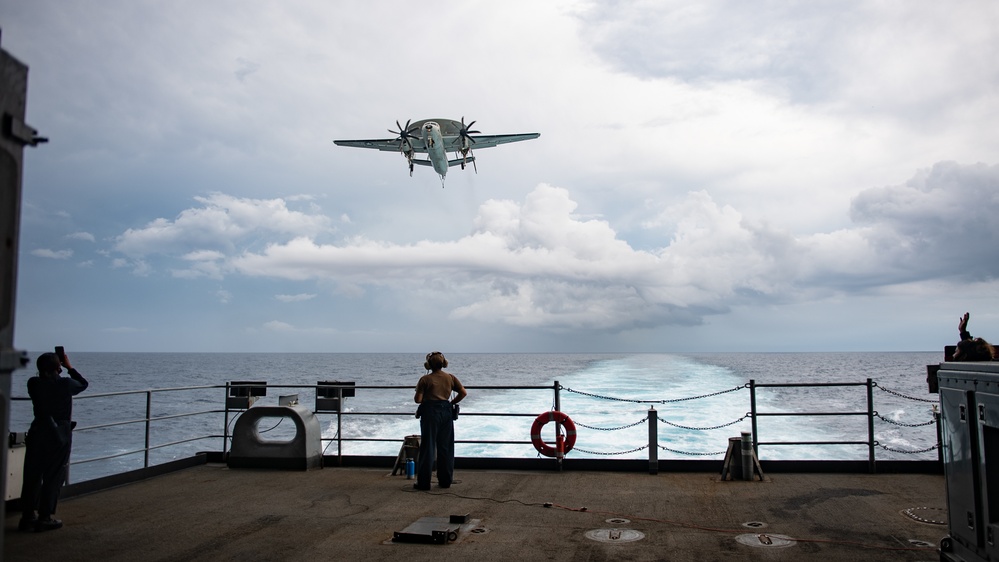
{"points": [[49, 440]]}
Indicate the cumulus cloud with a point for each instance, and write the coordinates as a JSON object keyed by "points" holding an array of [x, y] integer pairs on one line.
{"points": [[538, 263], [941, 222], [278, 326], [203, 263], [85, 236], [301, 297], [222, 223], [52, 254]]}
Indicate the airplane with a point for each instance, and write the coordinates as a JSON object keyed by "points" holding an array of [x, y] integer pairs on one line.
{"points": [[437, 138]]}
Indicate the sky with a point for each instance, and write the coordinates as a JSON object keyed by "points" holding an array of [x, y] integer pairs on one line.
{"points": [[710, 176]]}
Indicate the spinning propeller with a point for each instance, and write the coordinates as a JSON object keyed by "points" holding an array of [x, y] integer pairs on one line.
{"points": [[467, 140], [464, 132], [405, 146], [404, 133]]}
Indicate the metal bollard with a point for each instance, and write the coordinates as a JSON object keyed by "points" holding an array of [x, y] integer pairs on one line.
{"points": [[747, 455], [653, 441]]}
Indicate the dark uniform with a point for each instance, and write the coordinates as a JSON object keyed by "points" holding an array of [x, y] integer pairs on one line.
{"points": [[49, 441], [433, 392]]}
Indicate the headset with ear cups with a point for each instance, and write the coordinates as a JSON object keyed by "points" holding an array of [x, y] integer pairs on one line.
{"points": [[432, 359]]}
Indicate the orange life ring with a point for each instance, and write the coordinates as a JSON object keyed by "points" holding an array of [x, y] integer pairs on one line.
{"points": [[560, 448]]}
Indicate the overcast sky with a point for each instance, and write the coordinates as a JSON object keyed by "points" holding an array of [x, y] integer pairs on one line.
{"points": [[710, 176]]}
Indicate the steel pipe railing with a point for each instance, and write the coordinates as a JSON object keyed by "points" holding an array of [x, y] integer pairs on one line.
{"points": [[150, 422]]}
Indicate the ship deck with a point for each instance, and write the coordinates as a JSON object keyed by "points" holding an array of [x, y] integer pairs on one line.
{"points": [[212, 512]]}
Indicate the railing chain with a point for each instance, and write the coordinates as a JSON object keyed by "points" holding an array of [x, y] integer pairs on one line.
{"points": [[917, 451], [662, 401], [665, 448], [635, 450], [931, 422], [900, 395], [639, 422], [667, 422]]}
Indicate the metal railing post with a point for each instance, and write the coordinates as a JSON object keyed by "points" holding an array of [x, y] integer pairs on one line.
{"points": [[339, 426], [752, 415], [559, 455], [149, 414], [653, 441], [225, 425], [870, 427], [747, 456]]}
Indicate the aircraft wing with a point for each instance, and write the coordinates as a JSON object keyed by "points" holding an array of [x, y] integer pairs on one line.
{"points": [[489, 141], [452, 142], [388, 145]]}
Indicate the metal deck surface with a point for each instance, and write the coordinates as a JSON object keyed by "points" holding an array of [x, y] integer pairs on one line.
{"points": [[211, 512]]}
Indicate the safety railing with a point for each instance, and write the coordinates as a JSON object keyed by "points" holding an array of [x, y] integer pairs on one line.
{"points": [[341, 413], [654, 418], [755, 415], [156, 415]]}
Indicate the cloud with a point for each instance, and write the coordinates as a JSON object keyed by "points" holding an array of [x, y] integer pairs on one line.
{"points": [[301, 297], [539, 264], [245, 68], [222, 223], [85, 236], [278, 326], [942, 221], [699, 158], [52, 254], [204, 263], [881, 50]]}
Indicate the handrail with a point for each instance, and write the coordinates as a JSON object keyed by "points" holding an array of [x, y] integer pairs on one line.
{"points": [[149, 420], [869, 384]]}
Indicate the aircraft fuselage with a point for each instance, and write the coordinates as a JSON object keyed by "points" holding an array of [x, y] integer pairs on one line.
{"points": [[434, 141]]}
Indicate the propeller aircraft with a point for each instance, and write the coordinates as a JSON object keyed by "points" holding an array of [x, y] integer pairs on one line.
{"points": [[436, 138]]}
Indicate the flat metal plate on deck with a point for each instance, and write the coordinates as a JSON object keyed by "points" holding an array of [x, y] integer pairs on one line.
{"points": [[615, 535], [930, 515], [765, 540], [434, 530]]}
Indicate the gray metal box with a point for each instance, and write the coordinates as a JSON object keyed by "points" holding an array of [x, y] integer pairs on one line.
{"points": [[969, 437]]}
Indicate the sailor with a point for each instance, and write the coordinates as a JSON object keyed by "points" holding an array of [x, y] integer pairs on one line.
{"points": [[437, 412], [969, 348], [49, 440]]}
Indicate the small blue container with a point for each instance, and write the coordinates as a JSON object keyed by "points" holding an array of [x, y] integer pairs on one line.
{"points": [[410, 469]]}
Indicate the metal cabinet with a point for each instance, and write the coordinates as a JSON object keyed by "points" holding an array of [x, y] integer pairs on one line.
{"points": [[969, 435]]}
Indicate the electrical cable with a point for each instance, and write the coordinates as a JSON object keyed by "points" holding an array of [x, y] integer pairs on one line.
{"points": [[232, 421], [332, 440], [273, 427]]}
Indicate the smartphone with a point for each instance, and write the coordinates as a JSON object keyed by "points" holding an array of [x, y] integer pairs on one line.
{"points": [[61, 352]]}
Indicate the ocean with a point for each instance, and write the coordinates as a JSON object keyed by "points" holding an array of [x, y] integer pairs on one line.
{"points": [[700, 401]]}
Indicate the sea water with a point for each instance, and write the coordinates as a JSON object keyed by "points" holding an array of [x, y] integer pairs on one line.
{"points": [[698, 400]]}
